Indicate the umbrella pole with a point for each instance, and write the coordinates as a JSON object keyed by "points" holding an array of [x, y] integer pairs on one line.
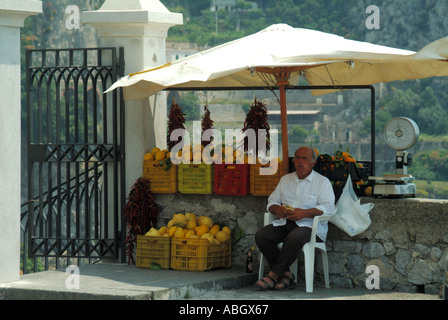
{"points": [[282, 76], [284, 126]]}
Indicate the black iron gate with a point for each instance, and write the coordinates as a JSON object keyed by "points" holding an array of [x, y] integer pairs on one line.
{"points": [[75, 138]]}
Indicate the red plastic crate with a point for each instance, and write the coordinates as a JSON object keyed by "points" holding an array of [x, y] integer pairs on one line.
{"points": [[231, 179]]}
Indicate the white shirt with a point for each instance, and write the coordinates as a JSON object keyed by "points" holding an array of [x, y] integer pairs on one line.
{"points": [[315, 191]]}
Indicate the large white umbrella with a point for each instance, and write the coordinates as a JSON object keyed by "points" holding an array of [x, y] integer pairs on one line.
{"points": [[282, 54]]}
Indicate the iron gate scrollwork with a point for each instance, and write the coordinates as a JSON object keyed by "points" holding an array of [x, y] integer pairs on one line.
{"points": [[75, 152]]}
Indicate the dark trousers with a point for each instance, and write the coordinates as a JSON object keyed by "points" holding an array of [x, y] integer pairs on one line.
{"points": [[293, 238]]}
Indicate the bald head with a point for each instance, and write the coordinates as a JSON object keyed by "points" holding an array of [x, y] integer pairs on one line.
{"points": [[304, 160]]}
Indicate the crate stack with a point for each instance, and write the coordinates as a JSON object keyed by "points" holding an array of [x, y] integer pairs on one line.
{"points": [[235, 179], [182, 254]]}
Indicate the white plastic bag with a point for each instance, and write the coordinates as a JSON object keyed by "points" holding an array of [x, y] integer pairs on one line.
{"points": [[350, 215]]}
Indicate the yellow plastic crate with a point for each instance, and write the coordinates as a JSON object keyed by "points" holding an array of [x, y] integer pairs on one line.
{"points": [[195, 178], [152, 250], [263, 185], [199, 254], [161, 180]]}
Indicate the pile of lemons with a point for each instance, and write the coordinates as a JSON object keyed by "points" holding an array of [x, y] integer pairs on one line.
{"points": [[196, 153], [189, 226], [228, 155], [157, 154]]}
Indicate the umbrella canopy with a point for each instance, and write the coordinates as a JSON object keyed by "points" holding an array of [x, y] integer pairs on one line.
{"points": [[280, 54]]}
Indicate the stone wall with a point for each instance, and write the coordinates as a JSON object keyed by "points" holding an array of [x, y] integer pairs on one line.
{"points": [[407, 240]]}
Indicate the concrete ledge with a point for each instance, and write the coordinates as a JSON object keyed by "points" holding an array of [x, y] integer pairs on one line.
{"points": [[106, 281]]}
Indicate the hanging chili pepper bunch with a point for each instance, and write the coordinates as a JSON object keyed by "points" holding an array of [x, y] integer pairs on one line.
{"points": [[207, 123], [140, 214], [176, 120], [256, 119]]}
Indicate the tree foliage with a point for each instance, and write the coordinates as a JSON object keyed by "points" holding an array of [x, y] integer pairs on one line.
{"points": [[419, 103], [211, 28]]}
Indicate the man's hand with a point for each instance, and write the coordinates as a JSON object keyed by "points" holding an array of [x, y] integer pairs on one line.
{"points": [[298, 214], [295, 214], [279, 211]]}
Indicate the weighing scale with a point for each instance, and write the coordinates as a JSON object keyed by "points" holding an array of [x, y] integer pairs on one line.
{"points": [[400, 134]]}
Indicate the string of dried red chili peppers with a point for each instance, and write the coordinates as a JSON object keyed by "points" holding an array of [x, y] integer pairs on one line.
{"points": [[256, 119], [140, 214], [207, 123], [176, 120]]}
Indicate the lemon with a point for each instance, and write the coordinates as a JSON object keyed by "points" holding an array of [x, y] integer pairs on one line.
{"points": [[209, 237], [148, 156], [190, 216], [201, 230], [207, 159], [227, 150], [222, 236], [229, 159], [179, 233], [172, 231], [179, 220], [160, 155], [214, 230], [204, 220], [227, 230], [189, 233], [163, 230], [177, 156], [198, 148], [153, 232], [155, 150], [191, 224]]}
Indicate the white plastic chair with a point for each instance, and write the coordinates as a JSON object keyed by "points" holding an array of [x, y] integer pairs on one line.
{"points": [[309, 252]]}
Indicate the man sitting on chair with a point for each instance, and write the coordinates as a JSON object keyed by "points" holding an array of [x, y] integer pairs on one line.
{"points": [[297, 199]]}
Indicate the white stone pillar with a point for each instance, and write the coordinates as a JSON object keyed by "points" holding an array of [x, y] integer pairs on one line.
{"points": [[141, 27], [12, 16]]}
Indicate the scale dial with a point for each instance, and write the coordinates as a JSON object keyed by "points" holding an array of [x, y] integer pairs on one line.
{"points": [[401, 133]]}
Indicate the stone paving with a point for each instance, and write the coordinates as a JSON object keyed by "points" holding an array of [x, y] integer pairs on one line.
{"points": [[105, 281]]}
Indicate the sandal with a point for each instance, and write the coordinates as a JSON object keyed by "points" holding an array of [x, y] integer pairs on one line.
{"points": [[286, 282], [266, 283]]}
